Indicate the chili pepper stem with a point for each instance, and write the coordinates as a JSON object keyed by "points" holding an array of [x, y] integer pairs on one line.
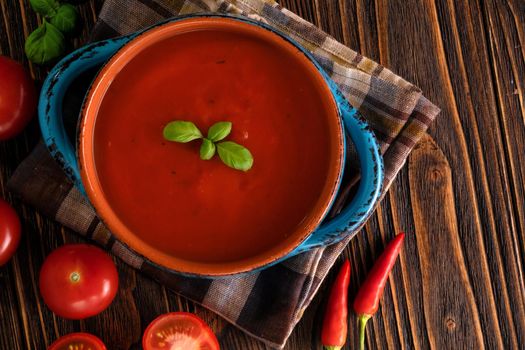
{"points": [[362, 320], [331, 347]]}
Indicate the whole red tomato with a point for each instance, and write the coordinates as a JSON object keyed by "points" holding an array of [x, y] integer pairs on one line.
{"points": [[80, 341], [78, 281], [18, 98], [9, 231]]}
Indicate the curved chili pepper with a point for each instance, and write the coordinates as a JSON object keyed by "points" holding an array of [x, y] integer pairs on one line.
{"points": [[366, 302], [335, 324]]}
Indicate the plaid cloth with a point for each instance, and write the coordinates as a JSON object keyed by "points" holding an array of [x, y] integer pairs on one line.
{"points": [[268, 304]]}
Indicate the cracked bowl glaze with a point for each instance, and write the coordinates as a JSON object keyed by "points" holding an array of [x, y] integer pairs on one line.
{"points": [[80, 164]]}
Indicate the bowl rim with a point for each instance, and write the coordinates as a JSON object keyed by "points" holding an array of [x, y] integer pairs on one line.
{"points": [[94, 190]]}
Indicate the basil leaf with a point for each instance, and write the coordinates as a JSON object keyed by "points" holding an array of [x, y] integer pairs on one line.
{"points": [[207, 150], [65, 18], [45, 44], [235, 156], [219, 131], [45, 7], [181, 131]]}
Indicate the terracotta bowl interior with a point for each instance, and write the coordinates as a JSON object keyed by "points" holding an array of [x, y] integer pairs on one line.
{"points": [[93, 186]]}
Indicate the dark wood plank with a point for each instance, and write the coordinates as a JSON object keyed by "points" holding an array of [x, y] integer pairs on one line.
{"points": [[449, 321], [12, 314], [459, 282], [478, 109], [505, 36]]}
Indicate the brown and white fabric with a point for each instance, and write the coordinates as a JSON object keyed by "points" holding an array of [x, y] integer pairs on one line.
{"points": [[266, 304]]}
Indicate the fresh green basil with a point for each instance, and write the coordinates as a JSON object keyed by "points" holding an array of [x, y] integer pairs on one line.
{"points": [[65, 19], [45, 7], [232, 154], [219, 131], [207, 150], [235, 156], [45, 44], [181, 131]]}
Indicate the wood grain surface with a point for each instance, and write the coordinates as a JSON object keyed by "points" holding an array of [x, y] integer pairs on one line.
{"points": [[459, 283]]}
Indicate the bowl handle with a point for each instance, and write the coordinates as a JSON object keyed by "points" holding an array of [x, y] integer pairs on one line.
{"points": [[52, 96], [363, 204]]}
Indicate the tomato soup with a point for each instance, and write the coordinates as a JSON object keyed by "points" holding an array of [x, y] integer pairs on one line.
{"points": [[201, 210]]}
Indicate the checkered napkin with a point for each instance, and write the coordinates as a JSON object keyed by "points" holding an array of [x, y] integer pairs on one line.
{"points": [[266, 304]]}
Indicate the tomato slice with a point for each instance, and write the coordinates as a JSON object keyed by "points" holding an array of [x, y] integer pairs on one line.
{"points": [[78, 341], [179, 331]]}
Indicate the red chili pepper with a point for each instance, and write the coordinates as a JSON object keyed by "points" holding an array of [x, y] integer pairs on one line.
{"points": [[366, 302], [335, 325]]}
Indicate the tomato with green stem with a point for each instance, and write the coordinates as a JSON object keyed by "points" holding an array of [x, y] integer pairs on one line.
{"points": [[78, 281], [179, 330]]}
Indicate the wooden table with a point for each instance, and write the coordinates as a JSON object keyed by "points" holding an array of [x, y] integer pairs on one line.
{"points": [[459, 283]]}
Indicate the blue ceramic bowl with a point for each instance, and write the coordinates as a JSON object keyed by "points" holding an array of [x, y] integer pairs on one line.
{"points": [[96, 54]]}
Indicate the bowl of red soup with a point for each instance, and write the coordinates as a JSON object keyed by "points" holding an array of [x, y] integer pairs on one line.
{"points": [[196, 215]]}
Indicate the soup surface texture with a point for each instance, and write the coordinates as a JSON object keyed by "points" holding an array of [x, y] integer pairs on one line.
{"points": [[203, 210]]}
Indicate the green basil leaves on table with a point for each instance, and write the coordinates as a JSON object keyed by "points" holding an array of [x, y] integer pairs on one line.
{"points": [[207, 150], [219, 131], [46, 8], [232, 154], [181, 131], [65, 18], [45, 44]]}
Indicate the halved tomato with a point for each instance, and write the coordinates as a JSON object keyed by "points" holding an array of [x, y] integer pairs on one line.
{"points": [[179, 330], [78, 341]]}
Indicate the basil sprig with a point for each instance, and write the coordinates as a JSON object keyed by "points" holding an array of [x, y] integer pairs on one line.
{"points": [[44, 44], [47, 42], [181, 131], [219, 131], [232, 154], [207, 150], [235, 155], [46, 8], [65, 19]]}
